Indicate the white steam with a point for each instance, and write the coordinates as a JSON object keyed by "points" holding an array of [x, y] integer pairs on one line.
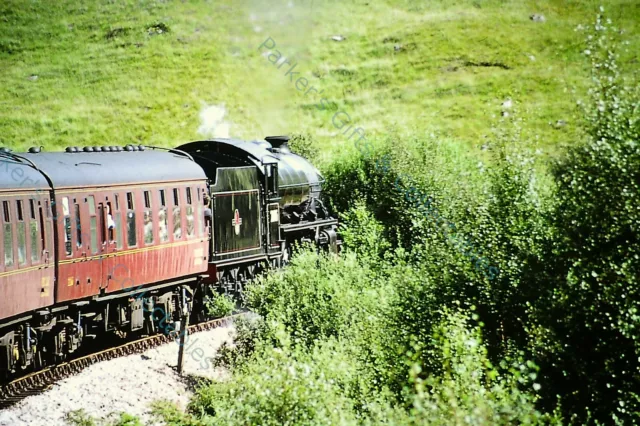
{"points": [[212, 122]]}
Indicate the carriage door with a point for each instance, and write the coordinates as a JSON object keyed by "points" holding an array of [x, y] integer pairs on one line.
{"points": [[115, 274], [105, 247]]}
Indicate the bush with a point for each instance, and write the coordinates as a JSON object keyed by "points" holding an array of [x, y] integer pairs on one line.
{"points": [[470, 390], [309, 363], [315, 297], [281, 386], [219, 305], [362, 234], [304, 146]]}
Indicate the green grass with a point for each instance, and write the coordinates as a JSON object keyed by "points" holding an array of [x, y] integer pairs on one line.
{"points": [[104, 78]]}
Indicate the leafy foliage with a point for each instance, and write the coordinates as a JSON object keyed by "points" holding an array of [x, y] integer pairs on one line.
{"points": [[591, 343], [219, 305], [304, 146], [81, 418]]}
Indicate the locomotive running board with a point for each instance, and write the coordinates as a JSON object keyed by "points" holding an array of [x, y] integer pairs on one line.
{"points": [[307, 225]]}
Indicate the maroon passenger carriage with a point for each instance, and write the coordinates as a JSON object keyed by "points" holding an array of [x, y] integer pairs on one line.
{"points": [[83, 231]]}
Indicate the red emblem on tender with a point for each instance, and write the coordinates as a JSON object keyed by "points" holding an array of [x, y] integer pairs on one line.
{"points": [[236, 222]]}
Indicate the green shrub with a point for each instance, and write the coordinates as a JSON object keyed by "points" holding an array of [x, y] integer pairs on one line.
{"points": [[315, 297], [219, 305], [248, 331], [304, 146], [470, 390], [281, 386], [81, 418], [363, 234]]}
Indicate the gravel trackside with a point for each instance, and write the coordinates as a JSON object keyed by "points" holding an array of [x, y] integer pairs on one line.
{"points": [[129, 384]]}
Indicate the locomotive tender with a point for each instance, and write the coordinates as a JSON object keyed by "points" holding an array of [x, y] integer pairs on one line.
{"points": [[85, 230]]}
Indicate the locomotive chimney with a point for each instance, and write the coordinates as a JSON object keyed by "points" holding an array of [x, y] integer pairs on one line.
{"points": [[279, 142]]}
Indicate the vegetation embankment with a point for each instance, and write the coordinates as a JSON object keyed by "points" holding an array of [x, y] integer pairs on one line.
{"points": [[142, 71], [405, 328]]}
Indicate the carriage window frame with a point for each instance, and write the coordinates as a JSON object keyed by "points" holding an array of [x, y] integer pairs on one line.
{"points": [[93, 224], [200, 213], [9, 261], [190, 216], [117, 221], [66, 222], [132, 229], [78, 225], [35, 234], [147, 199], [163, 218], [21, 233], [177, 215]]}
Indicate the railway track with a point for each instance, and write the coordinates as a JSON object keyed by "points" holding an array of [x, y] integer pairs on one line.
{"points": [[37, 382]]}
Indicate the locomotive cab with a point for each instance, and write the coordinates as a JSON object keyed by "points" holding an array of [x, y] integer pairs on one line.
{"points": [[289, 190]]}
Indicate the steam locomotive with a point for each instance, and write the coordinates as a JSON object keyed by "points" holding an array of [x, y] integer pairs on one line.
{"points": [[85, 230]]}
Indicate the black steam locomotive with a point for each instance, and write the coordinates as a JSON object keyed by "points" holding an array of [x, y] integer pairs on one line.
{"points": [[280, 193]]}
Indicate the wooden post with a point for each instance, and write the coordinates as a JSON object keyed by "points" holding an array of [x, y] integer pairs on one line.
{"points": [[183, 336]]}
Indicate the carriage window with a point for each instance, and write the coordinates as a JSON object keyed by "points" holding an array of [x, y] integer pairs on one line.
{"points": [[78, 227], [67, 225], [176, 197], [188, 195], [163, 226], [46, 235], [148, 227], [131, 229], [93, 224], [117, 202], [117, 220], [111, 225], [44, 231], [163, 202], [101, 224], [22, 239], [163, 219], [8, 236], [191, 228], [34, 235], [20, 215], [131, 222], [177, 223], [148, 219], [92, 205], [200, 220], [35, 241]]}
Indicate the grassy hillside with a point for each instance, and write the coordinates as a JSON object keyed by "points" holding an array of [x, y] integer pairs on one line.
{"points": [[116, 72]]}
